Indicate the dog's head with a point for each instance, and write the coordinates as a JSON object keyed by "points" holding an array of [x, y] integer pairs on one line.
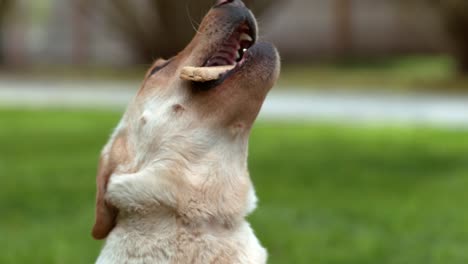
{"points": [[170, 110], [227, 36]]}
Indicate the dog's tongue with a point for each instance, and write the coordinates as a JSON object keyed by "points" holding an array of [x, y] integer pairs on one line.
{"points": [[204, 74]]}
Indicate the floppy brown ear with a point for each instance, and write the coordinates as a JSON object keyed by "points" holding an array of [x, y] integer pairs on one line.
{"points": [[105, 213]]}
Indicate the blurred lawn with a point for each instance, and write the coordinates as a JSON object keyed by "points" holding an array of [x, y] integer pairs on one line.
{"points": [[420, 73], [328, 193]]}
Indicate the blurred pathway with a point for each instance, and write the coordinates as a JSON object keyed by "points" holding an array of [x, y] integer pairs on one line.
{"points": [[284, 104]]}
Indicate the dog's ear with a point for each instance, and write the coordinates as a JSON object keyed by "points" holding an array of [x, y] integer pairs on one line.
{"points": [[105, 213], [114, 154], [157, 65]]}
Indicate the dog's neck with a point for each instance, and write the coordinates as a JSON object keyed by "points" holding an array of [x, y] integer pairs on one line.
{"points": [[211, 175]]}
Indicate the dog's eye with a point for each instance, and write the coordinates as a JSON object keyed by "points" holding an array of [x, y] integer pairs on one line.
{"points": [[158, 68]]}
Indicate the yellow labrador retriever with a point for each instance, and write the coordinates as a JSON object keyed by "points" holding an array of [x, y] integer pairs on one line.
{"points": [[173, 184]]}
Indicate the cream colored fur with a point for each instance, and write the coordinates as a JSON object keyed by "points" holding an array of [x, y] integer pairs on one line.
{"points": [[199, 173], [173, 184]]}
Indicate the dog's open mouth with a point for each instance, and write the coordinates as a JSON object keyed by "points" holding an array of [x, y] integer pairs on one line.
{"points": [[230, 55], [233, 50]]}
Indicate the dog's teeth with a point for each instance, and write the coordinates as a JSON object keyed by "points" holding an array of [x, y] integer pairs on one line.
{"points": [[245, 36], [238, 55]]}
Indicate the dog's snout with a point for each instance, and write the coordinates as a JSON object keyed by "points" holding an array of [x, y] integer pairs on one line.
{"points": [[229, 2]]}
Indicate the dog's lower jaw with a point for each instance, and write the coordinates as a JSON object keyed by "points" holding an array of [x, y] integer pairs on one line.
{"points": [[160, 239]]}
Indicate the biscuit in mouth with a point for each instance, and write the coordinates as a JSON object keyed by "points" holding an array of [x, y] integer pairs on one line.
{"points": [[229, 55], [204, 74]]}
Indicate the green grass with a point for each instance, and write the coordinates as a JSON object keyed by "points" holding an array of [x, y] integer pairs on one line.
{"points": [[424, 73], [328, 193]]}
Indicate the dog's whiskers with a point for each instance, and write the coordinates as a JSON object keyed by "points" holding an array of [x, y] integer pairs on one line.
{"points": [[192, 21]]}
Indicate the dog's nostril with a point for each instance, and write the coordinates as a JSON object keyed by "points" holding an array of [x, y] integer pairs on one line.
{"points": [[224, 2]]}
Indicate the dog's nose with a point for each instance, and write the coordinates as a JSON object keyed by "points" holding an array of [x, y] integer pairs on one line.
{"points": [[229, 2]]}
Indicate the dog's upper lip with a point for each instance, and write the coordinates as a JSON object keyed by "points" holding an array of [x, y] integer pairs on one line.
{"points": [[231, 29]]}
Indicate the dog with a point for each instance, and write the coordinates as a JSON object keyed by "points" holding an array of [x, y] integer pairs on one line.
{"points": [[172, 183]]}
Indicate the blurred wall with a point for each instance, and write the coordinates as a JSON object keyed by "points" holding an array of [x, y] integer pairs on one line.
{"points": [[310, 28], [56, 32]]}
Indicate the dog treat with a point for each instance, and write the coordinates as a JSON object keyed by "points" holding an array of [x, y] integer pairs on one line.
{"points": [[204, 74]]}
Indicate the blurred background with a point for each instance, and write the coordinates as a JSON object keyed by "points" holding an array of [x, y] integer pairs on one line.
{"points": [[360, 154]]}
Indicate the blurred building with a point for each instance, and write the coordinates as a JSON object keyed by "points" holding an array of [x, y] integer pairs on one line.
{"points": [[330, 28], [56, 32]]}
